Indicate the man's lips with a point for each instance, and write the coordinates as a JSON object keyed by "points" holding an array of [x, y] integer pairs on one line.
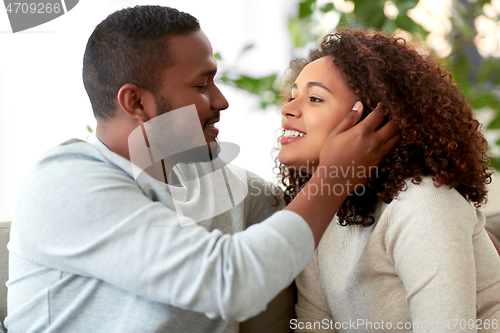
{"points": [[211, 128], [212, 121]]}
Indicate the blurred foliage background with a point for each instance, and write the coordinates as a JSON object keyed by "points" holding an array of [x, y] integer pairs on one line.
{"points": [[465, 33]]}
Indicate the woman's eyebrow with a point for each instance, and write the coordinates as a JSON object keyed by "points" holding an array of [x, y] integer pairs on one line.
{"points": [[317, 84], [313, 84]]}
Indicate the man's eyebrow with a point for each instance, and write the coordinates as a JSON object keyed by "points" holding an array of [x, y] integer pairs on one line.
{"points": [[312, 84], [208, 72]]}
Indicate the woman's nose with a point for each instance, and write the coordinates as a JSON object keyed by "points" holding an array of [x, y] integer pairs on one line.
{"points": [[291, 109]]}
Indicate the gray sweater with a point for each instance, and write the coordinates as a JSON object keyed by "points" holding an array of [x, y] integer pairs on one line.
{"points": [[91, 251]]}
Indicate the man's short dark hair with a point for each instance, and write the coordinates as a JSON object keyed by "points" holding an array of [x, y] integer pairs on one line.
{"points": [[130, 46]]}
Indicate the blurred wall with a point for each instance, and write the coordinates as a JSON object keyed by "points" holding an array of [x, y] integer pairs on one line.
{"points": [[43, 101]]}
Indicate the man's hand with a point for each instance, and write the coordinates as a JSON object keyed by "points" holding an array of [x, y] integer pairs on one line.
{"points": [[359, 148], [348, 146]]}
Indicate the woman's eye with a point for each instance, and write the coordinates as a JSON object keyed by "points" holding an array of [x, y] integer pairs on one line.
{"points": [[291, 99], [314, 99]]}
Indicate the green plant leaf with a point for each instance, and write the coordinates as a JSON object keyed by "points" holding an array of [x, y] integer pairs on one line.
{"points": [[489, 72], [306, 8], [295, 28], [481, 3], [327, 7], [495, 124], [404, 5], [406, 23], [370, 13], [217, 56], [264, 87], [481, 100]]}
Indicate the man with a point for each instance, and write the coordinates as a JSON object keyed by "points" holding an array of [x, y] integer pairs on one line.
{"points": [[94, 251]]}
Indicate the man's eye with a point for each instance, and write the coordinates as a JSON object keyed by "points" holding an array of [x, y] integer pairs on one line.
{"points": [[202, 88], [314, 99]]}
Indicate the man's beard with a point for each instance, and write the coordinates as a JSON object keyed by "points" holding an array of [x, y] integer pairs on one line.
{"points": [[197, 154]]}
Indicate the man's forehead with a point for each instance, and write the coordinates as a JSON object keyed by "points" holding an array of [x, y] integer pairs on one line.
{"points": [[192, 53]]}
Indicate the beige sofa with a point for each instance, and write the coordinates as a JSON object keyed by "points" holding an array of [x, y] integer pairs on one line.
{"points": [[493, 224], [4, 267]]}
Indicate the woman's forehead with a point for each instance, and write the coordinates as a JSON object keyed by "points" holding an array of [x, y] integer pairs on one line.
{"points": [[321, 70]]}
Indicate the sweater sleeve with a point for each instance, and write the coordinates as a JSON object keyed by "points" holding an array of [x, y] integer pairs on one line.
{"points": [[429, 241], [313, 312], [82, 216], [262, 201]]}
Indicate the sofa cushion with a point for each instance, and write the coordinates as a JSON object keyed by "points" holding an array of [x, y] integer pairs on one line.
{"points": [[4, 267]]}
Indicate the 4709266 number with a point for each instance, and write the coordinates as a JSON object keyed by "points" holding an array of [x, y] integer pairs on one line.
{"points": [[471, 324], [34, 8]]}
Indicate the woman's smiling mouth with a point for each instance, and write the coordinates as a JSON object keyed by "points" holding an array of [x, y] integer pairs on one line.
{"points": [[291, 134]]}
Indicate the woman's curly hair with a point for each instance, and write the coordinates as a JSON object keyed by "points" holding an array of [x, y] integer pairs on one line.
{"points": [[440, 136]]}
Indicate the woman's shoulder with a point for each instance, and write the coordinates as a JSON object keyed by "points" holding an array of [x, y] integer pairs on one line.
{"points": [[428, 192], [426, 201]]}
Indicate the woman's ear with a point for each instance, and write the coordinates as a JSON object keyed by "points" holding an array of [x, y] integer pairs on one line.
{"points": [[136, 102]]}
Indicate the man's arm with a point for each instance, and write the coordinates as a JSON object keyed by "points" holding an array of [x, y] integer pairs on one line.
{"points": [[82, 216]]}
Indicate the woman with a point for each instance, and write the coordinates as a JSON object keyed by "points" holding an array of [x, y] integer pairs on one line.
{"points": [[409, 251]]}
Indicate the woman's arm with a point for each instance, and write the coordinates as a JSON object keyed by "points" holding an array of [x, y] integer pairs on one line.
{"points": [[430, 241]]}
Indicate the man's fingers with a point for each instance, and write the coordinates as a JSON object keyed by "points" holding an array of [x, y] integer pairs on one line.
{"points": [[350, 119], [374, 119], [390, 144], [387, 131]]}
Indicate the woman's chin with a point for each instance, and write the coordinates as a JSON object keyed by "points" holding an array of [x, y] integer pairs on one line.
{"points": [[297, 164], [284, 159]]}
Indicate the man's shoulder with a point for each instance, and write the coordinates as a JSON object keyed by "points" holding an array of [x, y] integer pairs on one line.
{"points": [[75, 154], [254, 181], [73, 149], [258, 187], [263, 198], [72, 164]]}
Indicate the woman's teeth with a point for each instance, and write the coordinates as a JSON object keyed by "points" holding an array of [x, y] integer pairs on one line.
{"points": [[292, 134]]}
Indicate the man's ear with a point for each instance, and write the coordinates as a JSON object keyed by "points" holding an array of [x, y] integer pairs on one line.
{"points": [[136, 102]]}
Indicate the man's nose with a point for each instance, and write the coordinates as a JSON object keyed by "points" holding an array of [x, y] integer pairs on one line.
{"points": [[219, 101]]}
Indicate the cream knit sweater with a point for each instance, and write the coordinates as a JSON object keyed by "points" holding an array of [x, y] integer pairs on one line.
{"points": [[427, 263]]}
